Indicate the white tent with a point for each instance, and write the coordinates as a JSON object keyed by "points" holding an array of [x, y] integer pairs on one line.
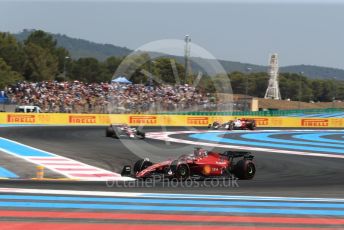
{"points": [[122, 80]]}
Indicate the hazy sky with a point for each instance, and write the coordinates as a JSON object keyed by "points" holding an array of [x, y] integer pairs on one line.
{"points": [[306, 33]]}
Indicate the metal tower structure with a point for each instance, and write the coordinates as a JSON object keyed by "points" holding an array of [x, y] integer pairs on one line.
{"points": [[187, 59], [273, 92]]}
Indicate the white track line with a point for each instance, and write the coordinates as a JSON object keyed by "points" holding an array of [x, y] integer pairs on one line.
{"points": [[165, 136]]}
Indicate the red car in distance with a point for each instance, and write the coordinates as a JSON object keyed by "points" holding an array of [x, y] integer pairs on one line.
{"points": [[201, 163]]}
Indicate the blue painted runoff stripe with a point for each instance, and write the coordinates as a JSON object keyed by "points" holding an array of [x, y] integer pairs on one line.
{"points": [[318, 137], [21, 150], [327, 115], [216, 137], [323, 115], [166, 208], [231, 197], [6, 173], [266, 137], [176, 202], [318, 115]]}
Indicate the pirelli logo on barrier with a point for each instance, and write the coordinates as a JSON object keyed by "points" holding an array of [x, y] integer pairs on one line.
{"points": [[197, 121], [314, 122], [337, 122], [165, 120], [82, 119], [147, 120], [260, 121], [220, 119], [14, 118]]}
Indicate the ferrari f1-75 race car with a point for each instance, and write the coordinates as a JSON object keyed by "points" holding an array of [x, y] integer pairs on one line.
{"points": [[234, 124], [201, 163], [123, 130]]}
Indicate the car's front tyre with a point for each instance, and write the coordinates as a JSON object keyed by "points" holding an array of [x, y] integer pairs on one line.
{"points": [[183, 172], [109, 132]]}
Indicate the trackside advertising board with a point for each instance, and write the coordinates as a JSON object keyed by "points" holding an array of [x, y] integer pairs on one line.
{"points": [[160, 120]]}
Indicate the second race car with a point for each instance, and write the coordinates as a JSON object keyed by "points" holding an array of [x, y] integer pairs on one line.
{"points": [[201, 163], [235, 124], [123, 130]]}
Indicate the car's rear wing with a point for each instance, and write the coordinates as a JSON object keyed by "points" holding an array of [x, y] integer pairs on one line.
{"points": [[236, 154]]}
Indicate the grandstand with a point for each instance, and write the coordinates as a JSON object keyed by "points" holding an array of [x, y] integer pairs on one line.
{"points": [[77, 97]]}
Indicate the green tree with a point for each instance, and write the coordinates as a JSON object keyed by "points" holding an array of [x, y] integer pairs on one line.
{"points": [[164, 70], [42, 39], [237, 82], [327, 94], [258, 82], [39, 45], [40, 63], [221, 83], [7, 75], [112, 64], [89, 70], [339, 90], [133, 66], [206, 84], [12, 52], [63, 58], [317, 88]]}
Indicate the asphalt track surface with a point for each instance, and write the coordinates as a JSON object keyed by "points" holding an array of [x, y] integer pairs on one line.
{"points": [[255, 204], [277, 174]]}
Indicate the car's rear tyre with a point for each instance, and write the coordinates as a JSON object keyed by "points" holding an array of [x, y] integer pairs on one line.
{"points": [[140, 134], [141, 165], [245, 170], [252, 125], [183, 172], [109, 132]]}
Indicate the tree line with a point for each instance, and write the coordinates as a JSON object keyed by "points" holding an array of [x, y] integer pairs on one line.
{"points": [[292, 86], [39, 58]]}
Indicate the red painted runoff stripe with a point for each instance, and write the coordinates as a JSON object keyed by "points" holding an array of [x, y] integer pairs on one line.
{"points": [[64, 163], [76, 169], [48, 159], [170, 217], [91, 226], [92, 174]]}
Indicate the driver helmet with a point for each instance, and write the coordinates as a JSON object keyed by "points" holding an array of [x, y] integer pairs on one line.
{"points": [[199, 152], [196, 151], [203, 152]]}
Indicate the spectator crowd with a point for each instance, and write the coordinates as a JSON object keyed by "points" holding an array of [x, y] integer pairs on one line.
{"points": [[79, 97]]}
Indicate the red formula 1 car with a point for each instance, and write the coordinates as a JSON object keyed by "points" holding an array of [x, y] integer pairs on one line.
{"points": [[123, 130], [200, 163], [234, 124]]}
